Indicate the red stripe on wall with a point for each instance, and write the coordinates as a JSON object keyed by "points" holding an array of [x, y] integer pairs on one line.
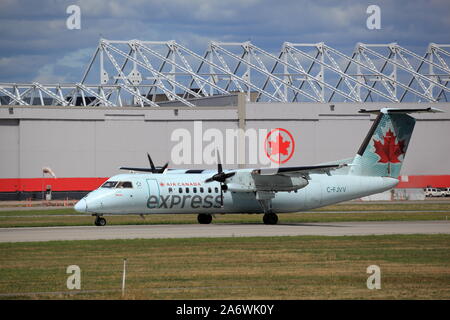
{"points": [[436, 181], [58, 184], [89, 184]]}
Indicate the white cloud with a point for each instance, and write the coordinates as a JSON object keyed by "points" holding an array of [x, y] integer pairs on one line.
{"points": [[51, 72], [46, 74], [76, 59]]}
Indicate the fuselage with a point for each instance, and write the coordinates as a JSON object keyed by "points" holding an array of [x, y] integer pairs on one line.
{"points": [[263, 190], [188, 193]]}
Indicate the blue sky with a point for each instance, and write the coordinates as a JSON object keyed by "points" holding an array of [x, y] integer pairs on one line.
{"points": [[35, 44]]}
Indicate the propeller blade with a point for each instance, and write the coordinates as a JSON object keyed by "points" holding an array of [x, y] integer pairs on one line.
{"points": [[152, 168], [219, 162], [229, 175], [151, 162], [209, 180], [220, 176], [161, 170]]}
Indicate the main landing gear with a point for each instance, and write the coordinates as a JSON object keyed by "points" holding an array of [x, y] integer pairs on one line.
{"points": [[270, 218], [99, 221], [204, 218], [265, 201]]}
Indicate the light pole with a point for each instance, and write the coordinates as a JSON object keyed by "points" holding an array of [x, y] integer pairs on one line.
{"points": [[49, 171]]}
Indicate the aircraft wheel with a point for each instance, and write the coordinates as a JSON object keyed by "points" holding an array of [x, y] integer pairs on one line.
{"points": [[270, 218], [100, 221], [204, 218]]}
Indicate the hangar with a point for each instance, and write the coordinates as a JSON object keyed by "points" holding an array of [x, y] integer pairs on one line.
{"points": [[134, 94]]}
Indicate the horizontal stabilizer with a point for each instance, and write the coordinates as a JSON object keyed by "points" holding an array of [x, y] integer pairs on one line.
{"points": [[403, 111]]}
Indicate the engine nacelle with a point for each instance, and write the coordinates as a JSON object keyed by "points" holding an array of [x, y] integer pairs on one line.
{"points": [[251, 182], [279, 183]]}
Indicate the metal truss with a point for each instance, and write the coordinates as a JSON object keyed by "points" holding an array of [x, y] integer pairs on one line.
{"points": [[146, 73], [77, 94]]}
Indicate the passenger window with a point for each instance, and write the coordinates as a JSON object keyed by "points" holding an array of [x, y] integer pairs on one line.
{"points": [[209, 190], [216, 190], [170, 190], [180, 190], [187, 190], [202, 190], [195, 190]]}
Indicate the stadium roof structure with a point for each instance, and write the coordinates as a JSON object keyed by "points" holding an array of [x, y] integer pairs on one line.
{"points": [[150, 73]]}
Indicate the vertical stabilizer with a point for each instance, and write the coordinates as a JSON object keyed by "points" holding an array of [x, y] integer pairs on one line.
{"points": [[383, 150]]}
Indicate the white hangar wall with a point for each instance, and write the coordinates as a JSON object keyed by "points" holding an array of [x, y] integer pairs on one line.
{"points": [[95, 142]]}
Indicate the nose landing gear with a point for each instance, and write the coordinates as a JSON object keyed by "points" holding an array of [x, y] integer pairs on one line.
{"points": [[99, 221]]}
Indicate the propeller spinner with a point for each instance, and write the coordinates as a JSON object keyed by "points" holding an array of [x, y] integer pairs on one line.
{"points": [[220, 176]]}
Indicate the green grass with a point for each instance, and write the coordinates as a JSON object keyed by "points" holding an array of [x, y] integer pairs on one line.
{"points": [[350, 212], [307, 267]]}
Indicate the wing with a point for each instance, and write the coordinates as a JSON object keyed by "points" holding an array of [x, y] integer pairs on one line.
{"points": [[300, 171], [137, 169], [276, 179]]}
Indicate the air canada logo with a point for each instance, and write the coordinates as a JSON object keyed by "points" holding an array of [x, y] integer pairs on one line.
{"points": [[279, 145], [389, 150]]}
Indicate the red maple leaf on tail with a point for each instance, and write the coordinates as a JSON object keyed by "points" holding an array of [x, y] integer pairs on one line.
{"points": [[389, 151], [279, 146]]}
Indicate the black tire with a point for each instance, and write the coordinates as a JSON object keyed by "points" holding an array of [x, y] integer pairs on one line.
{"points": [[270, 218], [204, 218], [100, 222]]}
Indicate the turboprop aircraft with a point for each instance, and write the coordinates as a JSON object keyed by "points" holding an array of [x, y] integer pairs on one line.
{"points": [[374, 169]]}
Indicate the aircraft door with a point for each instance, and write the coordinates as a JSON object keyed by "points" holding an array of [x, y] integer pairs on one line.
{"points": [[314, 194], [153, 193]]}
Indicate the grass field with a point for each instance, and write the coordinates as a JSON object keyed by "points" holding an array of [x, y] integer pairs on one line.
{"points": [[412, 267], [340, 212]]}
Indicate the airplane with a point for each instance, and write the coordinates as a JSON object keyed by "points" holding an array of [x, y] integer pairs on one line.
{"points": [[375, 168]]}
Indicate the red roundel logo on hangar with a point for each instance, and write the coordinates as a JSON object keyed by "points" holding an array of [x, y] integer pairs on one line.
{"points": [[279, 145]]}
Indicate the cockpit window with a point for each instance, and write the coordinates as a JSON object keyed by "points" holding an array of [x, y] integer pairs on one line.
{"points": [[117, 184], [124, 184], [109, 184]]}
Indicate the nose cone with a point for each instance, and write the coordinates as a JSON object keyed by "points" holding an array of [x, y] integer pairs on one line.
{"points": [[80, 206]]}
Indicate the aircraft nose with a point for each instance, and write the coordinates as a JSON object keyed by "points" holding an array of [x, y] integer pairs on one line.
{"points": [[80, 206]]}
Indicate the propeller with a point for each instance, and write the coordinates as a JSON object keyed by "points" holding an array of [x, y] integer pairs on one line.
{"points": [[156, 169], [220, 176], [152, 168]]}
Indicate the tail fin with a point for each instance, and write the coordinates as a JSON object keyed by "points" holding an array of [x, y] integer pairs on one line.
{"points": [[384, 148]]}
